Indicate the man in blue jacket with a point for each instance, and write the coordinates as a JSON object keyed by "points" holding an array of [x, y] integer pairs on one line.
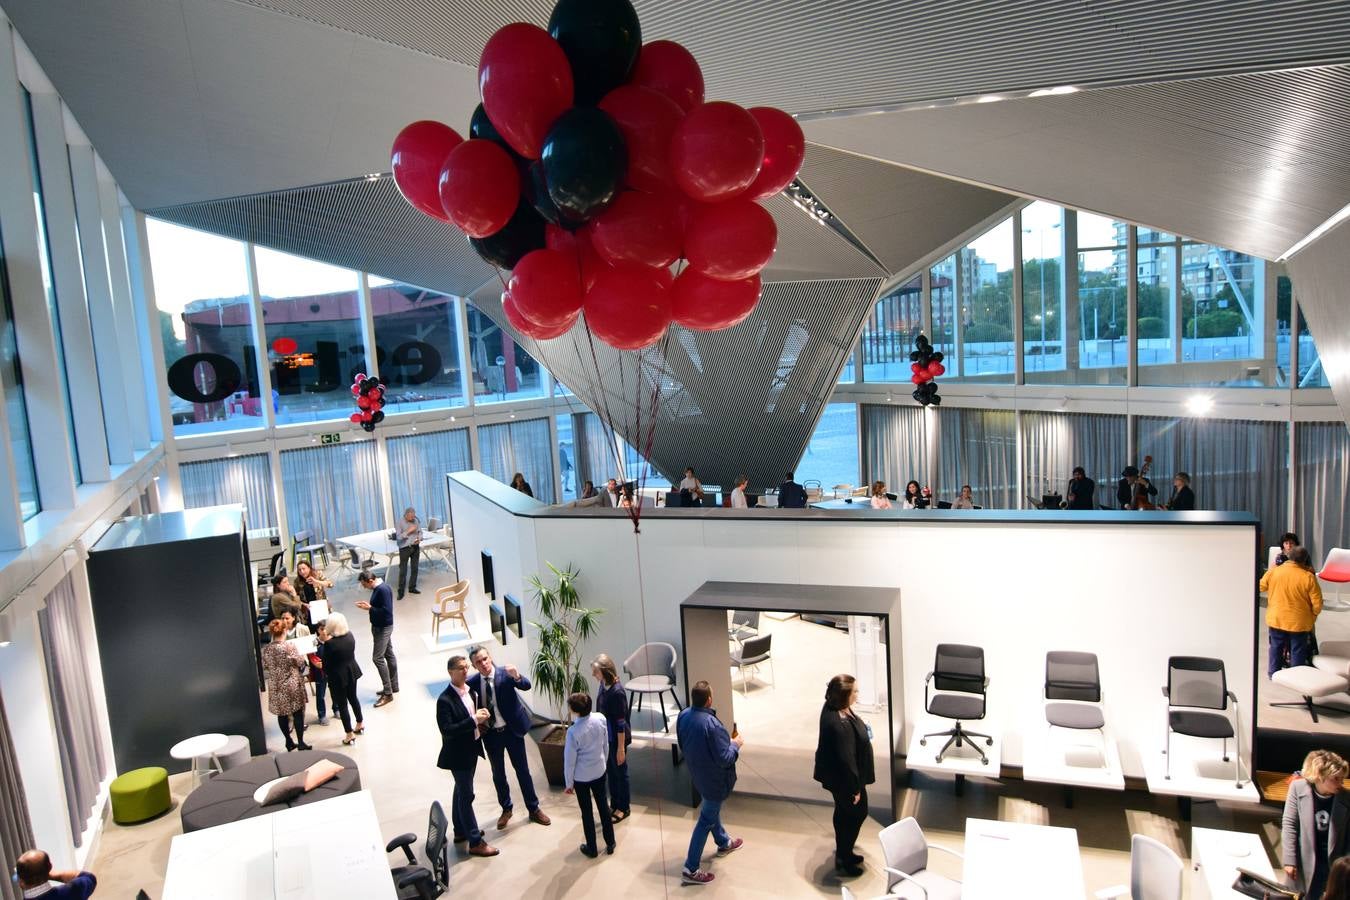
{"points": [[504, 731], [35, 877], [710, 754], [791, 495], [381, 609]]}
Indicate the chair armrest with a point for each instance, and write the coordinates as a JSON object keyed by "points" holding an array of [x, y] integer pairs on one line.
{"points": [[1115, 890], [928, 678], [413, 877], [907, 877], [405, 841], [955, 853], [1232, 696]]}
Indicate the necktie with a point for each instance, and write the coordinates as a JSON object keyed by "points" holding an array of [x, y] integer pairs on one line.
{"points": [[490, 693]]}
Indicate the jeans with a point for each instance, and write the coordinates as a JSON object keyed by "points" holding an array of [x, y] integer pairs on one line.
{"points": [[848, 821], [586, 790], [320, 689], [709, 822], [383, 657], [462, 818], [408, 557], [498, 743], [341, 698], [1295, 642], [617, 776]]}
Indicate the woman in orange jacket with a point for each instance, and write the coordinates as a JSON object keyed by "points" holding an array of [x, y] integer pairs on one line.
{"points": [[1293, 602]]}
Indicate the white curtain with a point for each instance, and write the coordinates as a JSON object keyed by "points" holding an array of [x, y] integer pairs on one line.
{"points": [[418, 465], [1054, 443], [895, 445], [1234, 464], [237, 479], [594, 451], [332, 490], [1323, 480], [524, 447], [979, 448], [79, 733]]}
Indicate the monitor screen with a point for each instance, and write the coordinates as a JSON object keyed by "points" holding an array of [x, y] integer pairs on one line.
{"points": [[513, 618], [489, 583], [498, 622]]}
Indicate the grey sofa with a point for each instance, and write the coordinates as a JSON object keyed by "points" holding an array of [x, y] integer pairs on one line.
{"points": [[228, 797]]}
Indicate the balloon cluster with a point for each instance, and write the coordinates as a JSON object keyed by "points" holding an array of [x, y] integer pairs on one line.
{"points": [[926, 365], [593, 166], [369, 394]]}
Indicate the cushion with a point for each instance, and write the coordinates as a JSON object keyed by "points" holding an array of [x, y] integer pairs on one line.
{"points": [[648, 683], [956, 706], [1200, 724], [228, 797], [319, 772], [285, 790], [1310, 681], [1074, 715]]}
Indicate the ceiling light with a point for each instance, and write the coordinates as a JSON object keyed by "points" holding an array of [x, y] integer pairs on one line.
{"points": [[1054, 91], [1200, 404], [989, 98]]}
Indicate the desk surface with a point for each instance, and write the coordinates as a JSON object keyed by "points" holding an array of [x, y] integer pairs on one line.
{"points": [[330, 850], [378, 542], [1217, 855], [1006, 859]]}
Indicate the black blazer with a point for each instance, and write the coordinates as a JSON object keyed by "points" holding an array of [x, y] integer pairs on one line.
{"points": [[844, 762], [1183, 499], [1082, 491], [459, 748], [339, 661]]}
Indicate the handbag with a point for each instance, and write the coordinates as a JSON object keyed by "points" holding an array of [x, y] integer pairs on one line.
{"points": [[1249, 884]]}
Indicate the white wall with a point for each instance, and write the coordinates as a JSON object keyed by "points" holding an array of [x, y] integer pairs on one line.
{"points": [[1134, 592]]}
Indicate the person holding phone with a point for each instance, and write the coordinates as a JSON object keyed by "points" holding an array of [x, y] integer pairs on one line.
{"points": [[845, 767], [460, 715], [409, 551]]}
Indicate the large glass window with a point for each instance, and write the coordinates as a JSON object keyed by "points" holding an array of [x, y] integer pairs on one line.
{"points": [[1043, 321], [983, 328], [1310, 371], [416, 346], [1103, 307], [16, 408], [501, 369], [523, 446], [831, 457], [49, 283], [315, 347], [206, 328], [889, 332], [1156, 286]]}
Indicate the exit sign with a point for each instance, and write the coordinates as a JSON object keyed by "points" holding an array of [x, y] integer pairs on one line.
{"points": [[334, 438]]}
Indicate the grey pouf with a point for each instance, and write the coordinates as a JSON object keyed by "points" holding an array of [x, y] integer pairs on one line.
{"points": [[229, 796], [235, 753]]}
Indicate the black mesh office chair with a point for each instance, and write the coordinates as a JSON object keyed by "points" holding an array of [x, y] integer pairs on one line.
{"points": [[958, 677], [1197, 706], [415, 882], [1073, 694]]}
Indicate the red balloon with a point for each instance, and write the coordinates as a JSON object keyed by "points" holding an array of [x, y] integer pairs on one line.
{"points": [[363, 402], [577, 247], [709, 304], [669, 69], [479, 188], [629, 306], [731, 240], [526, 83], [647, 121], [936, 368], [356, 390], [916, 367], [716, 152], [784, 150], [356, 418], [638, 228], [919, 377], [284, 345], [416, 160], [546, 287], [365, 416]]}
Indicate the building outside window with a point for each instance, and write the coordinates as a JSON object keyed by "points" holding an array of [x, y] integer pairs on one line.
{"points": [[501, 369], [16, 407], [416, 346]]}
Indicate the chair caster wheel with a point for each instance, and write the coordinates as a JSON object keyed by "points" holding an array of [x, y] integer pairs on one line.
{"points": [[989, 741], [984, 762], [1226, 759], [923, 742]]}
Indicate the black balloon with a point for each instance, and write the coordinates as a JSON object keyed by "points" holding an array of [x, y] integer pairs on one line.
{"points": [[535, 189], [523, 233], [914, 356], [601, 39], [481, 127], [584, 162], [376, 417], [938, 357]]}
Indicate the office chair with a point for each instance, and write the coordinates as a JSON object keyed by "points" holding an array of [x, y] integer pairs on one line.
{"points": [[1073, 694], [415, 882], [958, 676], [651, 670], [750, 654], [744, 623], [1197, 684], [1155, 873], [905, 852]]}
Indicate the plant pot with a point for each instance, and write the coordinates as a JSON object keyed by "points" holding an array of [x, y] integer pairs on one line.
{"points": [[551, 743]]}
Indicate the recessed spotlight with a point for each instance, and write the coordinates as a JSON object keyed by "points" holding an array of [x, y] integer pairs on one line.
{"points": [[1200, 404], [1054, 91], [990, 98]]}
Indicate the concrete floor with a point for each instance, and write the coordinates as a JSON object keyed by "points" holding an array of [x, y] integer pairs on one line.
{"points": [[788, 850]]}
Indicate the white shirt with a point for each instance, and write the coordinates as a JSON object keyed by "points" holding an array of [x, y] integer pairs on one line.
{"points": [[738, 499], [467, 699], [881, 501], [689, 483], [586, 749]]}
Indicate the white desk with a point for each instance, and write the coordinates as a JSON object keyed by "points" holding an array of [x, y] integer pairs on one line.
{"points": [[330, 850], [1217, 855], [1014, 859], [378, 543]]}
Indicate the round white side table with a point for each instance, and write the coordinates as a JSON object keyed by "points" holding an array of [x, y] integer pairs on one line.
{"points": [[202, 750]]}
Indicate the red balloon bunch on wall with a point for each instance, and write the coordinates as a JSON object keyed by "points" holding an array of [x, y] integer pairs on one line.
{"points": [[593, 167], [369, 394], [926, 365]]}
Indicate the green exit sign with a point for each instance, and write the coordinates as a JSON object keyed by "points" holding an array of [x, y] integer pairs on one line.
{"points": [[334, 438]]}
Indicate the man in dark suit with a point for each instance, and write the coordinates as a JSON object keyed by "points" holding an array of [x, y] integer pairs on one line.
{"points": [[504, 731], [791, 495], [611, 494], [1125, 487], [1183, 498], [459, 716], [1080, 491]]}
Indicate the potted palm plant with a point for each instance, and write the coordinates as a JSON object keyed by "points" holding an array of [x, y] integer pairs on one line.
{"points": [[564, 624]]}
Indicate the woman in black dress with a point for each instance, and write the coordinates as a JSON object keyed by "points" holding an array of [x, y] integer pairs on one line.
{"points": [[339, 662], [844, 767], [611, 701]]}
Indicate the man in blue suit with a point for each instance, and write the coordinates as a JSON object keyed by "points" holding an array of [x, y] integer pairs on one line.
{"points": [[710, 754], [504, 731]]}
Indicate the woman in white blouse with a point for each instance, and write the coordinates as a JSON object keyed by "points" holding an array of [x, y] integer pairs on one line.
{"points": [[693, 486], [879, 498], [965, 501], [738, 500]]}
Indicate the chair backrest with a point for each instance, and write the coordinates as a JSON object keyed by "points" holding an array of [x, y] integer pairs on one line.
{"points": [[756, 646], [959, 667], [1196, 681], [656, 658], [1071, 675], [1155, 871], [433, 523], [1336, 568], [456, 593], [903, 847], [436, 845], [301, 537], [745, 618], [355, 557], [276, 561]]}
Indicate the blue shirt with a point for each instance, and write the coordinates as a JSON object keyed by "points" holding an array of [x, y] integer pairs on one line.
{"points": [[708, 751], [586, 749], [78, 888], [382, 606]]}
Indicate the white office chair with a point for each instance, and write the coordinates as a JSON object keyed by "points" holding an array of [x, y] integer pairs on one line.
{"points": [[905, 851], [1336, 571], [1155, 873]]}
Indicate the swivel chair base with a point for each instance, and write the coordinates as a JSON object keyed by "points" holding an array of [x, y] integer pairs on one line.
{"points": [[956, 735]]}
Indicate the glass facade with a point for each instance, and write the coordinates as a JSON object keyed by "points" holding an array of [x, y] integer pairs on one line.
{"points": [[416, 346], [16, 407], [1043, 319], [889, 332], [501, 369], [831, 457], [315, 347], [981, 329]]}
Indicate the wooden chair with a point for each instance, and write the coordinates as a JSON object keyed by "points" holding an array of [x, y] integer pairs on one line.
{"points": [[451, 603]]}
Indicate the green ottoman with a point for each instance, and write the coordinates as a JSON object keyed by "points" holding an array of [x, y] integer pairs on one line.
{"points": [[139, 795]]}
